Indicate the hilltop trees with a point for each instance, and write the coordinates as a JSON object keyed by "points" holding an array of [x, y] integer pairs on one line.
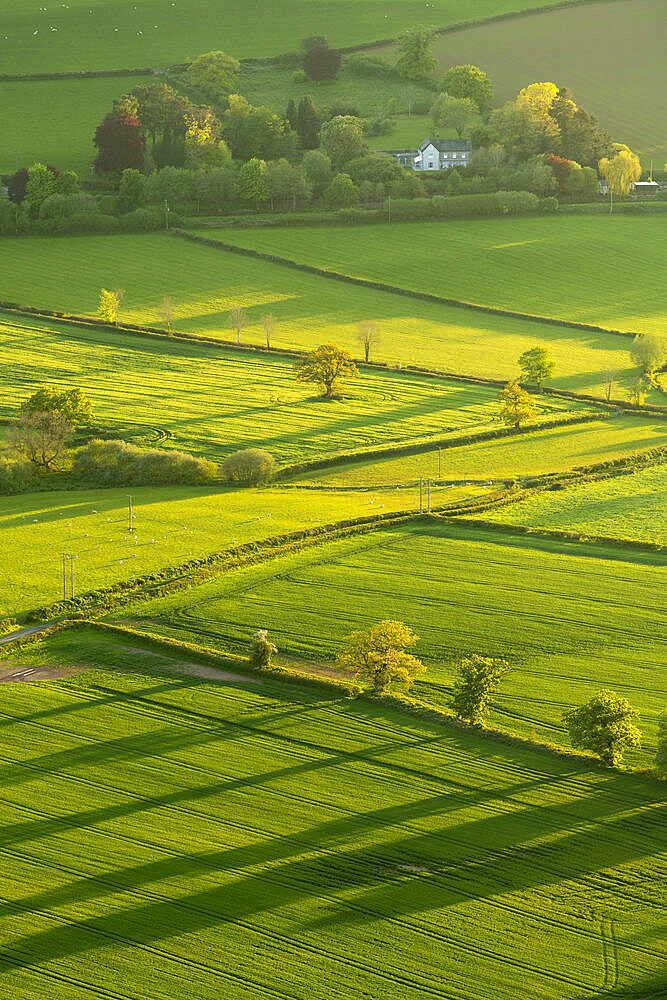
{"points": [[327, 366], [517, 405], [605, 725], [378, 656]]}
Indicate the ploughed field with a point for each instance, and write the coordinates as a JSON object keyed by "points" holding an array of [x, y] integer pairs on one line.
{"points": [[581, 268], [570, 618], [165, 835], [206, 283]]}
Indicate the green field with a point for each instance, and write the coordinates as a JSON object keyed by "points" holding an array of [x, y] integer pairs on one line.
{"points": [[592, 269], [623, 507], [555, 450], [206, 283], [112, 34], [54, 121], [173, 524], [167, 836], [213, 401], [569, 618]]}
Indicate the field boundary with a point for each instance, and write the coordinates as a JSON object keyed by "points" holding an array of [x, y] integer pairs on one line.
{"points": [[324, 272], [559, 534]]}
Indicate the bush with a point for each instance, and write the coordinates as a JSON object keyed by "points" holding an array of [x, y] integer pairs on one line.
{"points": [[262, 650], [517, 202], [92, 222], [17, 477], [362, 64], [142, 220], [252, 465], [548, 205], [117, 462], [299, 76]]}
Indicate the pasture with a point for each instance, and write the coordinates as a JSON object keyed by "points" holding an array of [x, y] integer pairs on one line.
{"points": [[173, 836], [111, 34], [591, 269], [206, 283], [54, 121], [569, 618], [631, 506], [540, 452], [213, 401], [172, 525]]}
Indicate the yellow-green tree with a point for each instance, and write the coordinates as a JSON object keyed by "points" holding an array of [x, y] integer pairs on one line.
{"points": [[517, 405], [620, 172], [378, 656], [327, 365], [478, 678], [605, 725], [110, 301]]}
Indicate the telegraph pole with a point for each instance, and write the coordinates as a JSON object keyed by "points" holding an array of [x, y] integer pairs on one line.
{"points": [[68, 557], [428, 495], [130, 515], [420, 495], [439, 462], [166, 214], [389, 209]]}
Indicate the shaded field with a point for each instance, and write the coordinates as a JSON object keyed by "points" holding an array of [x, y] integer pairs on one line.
{"points": [[570, 619], [555, 450], [205, 284], [178, 836], [173, 524], [213, 401], [624, 507], [112, 34], [54, 121], [582, 268]]}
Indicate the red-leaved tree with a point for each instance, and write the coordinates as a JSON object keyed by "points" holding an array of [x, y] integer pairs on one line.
{"points": [[120, 143], [561, 169]]}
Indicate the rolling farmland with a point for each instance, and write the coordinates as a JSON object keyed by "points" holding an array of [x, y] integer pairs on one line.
{"points": [[569, 618], [170, 835], [625, 507], [537, 453], [582, 268], [206, 283]]}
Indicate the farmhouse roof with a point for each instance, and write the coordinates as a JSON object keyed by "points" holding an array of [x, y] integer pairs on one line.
{"points": [[446, 145]]}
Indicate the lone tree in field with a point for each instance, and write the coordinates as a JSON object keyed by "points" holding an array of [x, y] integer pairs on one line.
{"points": [[478, 679], [378, 656], [167, 311], [237, 320], [368, 336], [71, 404], [269, 324], [650, 352], [40, 437], [262, 650], [609, 379], [536, 366], [416, 62], [327, 366], [110, 304], [321, 63], [605, 725], [517, 405]]}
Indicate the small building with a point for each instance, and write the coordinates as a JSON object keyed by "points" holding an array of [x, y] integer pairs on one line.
{"points": [[435, 154], [645, 187]]}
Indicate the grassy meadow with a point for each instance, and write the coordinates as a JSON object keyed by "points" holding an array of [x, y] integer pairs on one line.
{"points": [[173, 836], [173, 524], [630, 506], [112, 34], [54, 121], [592, 269], [205, 284], [556, 450], [569, 618], [213, 401]]}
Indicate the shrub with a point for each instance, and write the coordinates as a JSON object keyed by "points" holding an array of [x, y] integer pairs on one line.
{"points": [[143, 220], [16, 477], [548, 205], [92, 222], [262, 650], [117, 462], [517, 202], [299, 76], [362, 64], [251, 465]]}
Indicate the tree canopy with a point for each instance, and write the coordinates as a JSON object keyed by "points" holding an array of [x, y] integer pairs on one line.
{"points": [[517, 405], [416, 61], [71, 404], [378, 656], [327, 366], [477, 679], [214, 74], [536, 365], [468, 82], [605, 725]]}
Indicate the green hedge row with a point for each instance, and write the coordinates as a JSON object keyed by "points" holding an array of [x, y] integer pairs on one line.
{"points": [[83, 74], [560, 534], [395, 289]]}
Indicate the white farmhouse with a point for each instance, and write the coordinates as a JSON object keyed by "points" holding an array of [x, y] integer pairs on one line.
{"points": [[436, 154]]}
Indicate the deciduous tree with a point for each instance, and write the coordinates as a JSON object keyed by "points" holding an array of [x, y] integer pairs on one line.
{"points": [[262, 650], [378, 656], [40, 437], [110, 300], [342, 192], [605, 725], [459, 113], [517, 405], [368, 335], [167, 311], [253, 181], [661, 755], [416, 61], [269, 324], [120, 143], [214, 74], [327, 366], [477, 679], [621, 170], [72, 404], [343, 138], [650, 351], [237, 320], [321, 63], [536, 365], [468, 82]]}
